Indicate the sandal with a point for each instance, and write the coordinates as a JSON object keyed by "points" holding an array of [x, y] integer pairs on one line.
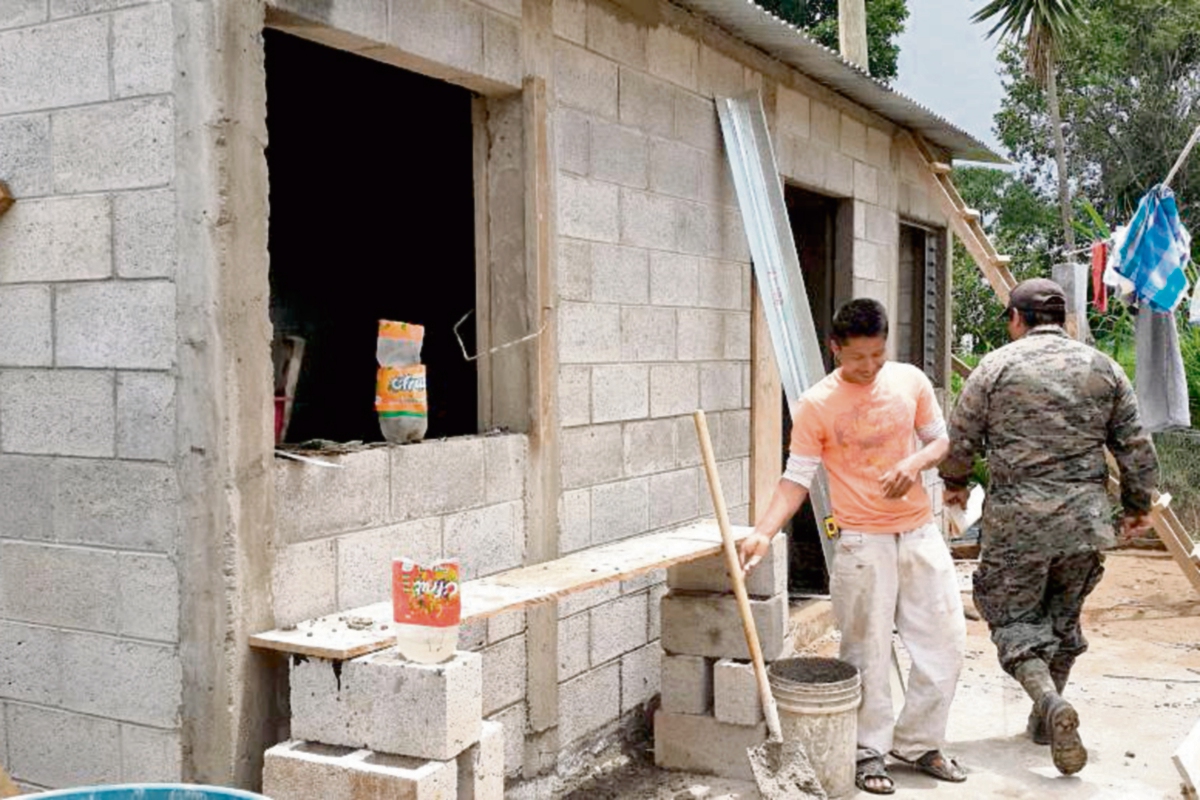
{"points": [[1062, 723], [936, 765], [870, 775]]}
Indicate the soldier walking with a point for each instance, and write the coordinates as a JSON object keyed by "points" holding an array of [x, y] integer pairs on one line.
{"points": [[1042, 409]]}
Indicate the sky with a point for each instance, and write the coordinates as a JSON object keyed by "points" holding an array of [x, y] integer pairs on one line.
{"points": [[948, 65]]}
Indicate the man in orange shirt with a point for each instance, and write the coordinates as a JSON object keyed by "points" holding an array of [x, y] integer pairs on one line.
{"points": [[892, 570]]}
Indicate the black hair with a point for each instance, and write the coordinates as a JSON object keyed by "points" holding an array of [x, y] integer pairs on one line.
{"points": [[861, 318], [1050, 316]]}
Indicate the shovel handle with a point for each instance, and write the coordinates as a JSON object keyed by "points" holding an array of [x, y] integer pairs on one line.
{"points": [[734, 565]]}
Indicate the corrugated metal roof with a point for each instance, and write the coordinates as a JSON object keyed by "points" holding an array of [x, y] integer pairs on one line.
{"points": [[754, 24]]}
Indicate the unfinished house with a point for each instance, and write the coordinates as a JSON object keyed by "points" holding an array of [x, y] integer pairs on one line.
{"points": [[196, 179]]}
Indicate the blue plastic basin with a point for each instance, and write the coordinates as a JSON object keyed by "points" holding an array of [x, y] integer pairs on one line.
{"points": [[150, 791]]}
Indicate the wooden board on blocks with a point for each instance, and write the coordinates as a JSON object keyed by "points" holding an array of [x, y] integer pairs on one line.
{"points": [[1187, 760], [7, 787], [366, 629]]}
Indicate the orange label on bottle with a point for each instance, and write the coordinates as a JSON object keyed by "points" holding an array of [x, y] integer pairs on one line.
{"points": [[389, 329], [426, 596], [400, 391]]}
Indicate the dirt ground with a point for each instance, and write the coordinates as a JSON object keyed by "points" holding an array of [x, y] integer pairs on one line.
{"points": [[1137, 691]]}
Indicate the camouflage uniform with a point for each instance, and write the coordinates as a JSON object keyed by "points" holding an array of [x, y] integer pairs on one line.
{"points": [[1043, 408]]}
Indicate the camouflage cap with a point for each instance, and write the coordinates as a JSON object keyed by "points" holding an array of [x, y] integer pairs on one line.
{"points": [[1037, 294]]}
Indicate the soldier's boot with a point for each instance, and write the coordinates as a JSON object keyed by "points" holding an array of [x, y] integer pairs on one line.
{"points": [[1060, 673], [1060, 719]]}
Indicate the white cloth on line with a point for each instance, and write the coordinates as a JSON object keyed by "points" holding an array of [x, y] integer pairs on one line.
{"points": [[1160, 380], [905, 582]]}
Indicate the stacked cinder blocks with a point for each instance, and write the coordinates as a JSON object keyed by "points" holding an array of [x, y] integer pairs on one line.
{"points": [[381, 726], [710, 708]]}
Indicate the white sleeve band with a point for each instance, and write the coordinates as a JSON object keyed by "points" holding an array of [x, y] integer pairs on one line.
{"points": [[801, 469], [933, 431]]}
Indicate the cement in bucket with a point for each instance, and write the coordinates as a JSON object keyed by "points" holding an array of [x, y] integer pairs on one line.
{"points": [[818, 702]]}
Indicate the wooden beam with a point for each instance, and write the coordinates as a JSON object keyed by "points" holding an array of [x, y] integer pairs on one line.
{"points": [[1172, 534], [358, 631], [766, 410], [941, 167], [483, 259], [6, 198], [852, 32]]}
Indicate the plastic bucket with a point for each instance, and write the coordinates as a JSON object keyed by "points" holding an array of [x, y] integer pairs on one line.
{"points": [[818, 701], [150, 791]]}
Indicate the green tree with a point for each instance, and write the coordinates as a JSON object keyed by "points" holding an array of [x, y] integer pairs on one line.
{"points": [[819, 18], [1040, 26]]}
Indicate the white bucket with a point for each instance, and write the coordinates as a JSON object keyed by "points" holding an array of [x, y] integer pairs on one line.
{"points": [[818, 701]]}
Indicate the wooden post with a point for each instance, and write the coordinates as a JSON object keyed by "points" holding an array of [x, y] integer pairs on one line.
{"points": [[766, 411], [852, 31]]}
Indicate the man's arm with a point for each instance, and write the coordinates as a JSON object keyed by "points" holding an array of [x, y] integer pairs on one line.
{"points": [[968, 428], [1134, 452], [789, 495]]}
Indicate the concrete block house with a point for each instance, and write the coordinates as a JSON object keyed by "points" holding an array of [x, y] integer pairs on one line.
{"points": [[195, 178]]}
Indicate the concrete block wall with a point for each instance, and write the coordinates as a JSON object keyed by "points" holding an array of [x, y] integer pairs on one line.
{"points": [[90, 673]]}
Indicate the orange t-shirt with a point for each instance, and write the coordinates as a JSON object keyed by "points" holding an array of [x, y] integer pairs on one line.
{"points": [[859, 433]]}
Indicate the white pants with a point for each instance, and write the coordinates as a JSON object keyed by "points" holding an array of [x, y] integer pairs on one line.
{"points": [[905, 582]]}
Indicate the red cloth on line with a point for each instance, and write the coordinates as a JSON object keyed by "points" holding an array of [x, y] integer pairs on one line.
{"points": [[1099, 259]]}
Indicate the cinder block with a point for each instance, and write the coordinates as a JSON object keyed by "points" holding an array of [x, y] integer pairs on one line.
{"points": [[589, 702], [64, 586], [591, 455], [674, 389], [57, 748], [720, 75], [436, 477], [574, 268], [709, 574], [127, 325], [619, 154], [25, 154], [649, 446], [709, 625], [126, 145], [674, 279], [121, 679], [733, 436], [31, 407], [589, 333], [585, 80], [26, 333], [513, 720], [737, 335], [149, 605], [505, 459], [721, 386], [792, 112], [30, 664], [143, 50], [578, 602], [687, 684], [693, 224], [71, 8], [504, 674], [853, 138], [449, 33], [700, 332], [735, 693], [574, 395], [364, 559], [502, 49], [721, 284], [481, 766], [618, 627], [731, 243], [882, 225], [735, 483], [839, 174], [620, 392], [866, 182], [144, 233], [620, 510], [387, 704], [575, 520], [826, 124], [673, 56], [642, 582], [58, 64], [687, 446], [19, 13], [318, 502], [297, 770], [879, 148], [616, 35], [486, 540], [647, 220], [692, 743], [647, 333], [150, 755], [505, 626], [654, 621], [646, 103], [574, 139], [574, 646], [696, 121], [63, 239], [673, 497], [641, 673], [146, 416], [620, 274], [304, 581], [675, 169]]}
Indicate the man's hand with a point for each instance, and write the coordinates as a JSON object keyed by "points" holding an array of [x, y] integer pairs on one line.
{"points": [[956, 497], [1133, 526], [753, 549], [899, 479]]}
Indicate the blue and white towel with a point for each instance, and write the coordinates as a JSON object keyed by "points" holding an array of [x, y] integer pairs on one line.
{"points": [[1155, 250]]}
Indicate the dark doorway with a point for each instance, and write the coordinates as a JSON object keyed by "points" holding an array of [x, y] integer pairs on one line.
{"points": [[920, 336], [372, 217], [814, 227]]}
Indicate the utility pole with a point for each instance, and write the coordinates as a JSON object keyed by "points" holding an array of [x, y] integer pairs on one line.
{"points": [[852, 31]]}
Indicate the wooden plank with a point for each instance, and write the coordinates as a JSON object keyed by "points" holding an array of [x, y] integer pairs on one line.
{"points": [[483, 258], [366, 629], [6, 198], [1178, 543], [961, 368], [766, 410], [7, 787], [941, 168], [1187, 760]]}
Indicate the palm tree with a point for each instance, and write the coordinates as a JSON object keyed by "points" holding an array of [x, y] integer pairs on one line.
{"points": [[1040, 26]]}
